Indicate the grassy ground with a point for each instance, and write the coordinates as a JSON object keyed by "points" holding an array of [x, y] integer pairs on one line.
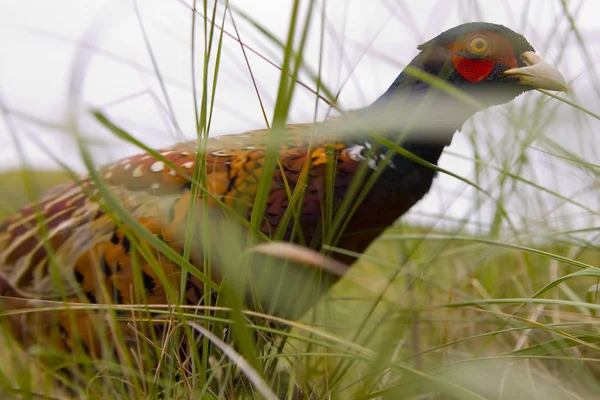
{"points": [[422, 312]]}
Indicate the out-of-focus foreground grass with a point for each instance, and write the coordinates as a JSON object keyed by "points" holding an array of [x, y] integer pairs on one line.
{"points": [[422, 312]]}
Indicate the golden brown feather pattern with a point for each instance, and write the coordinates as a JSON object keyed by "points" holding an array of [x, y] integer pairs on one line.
{"points": [[65, 247]]}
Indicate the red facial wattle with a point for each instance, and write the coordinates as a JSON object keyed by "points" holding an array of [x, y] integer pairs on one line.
{"points": [[473, 70]]}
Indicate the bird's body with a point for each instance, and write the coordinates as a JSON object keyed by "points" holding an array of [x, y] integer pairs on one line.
{"points": [[157, 192], [92, 254], [68, 246]]}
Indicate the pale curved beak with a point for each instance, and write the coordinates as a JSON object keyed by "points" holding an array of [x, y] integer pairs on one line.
{"points": [[538, 74]]}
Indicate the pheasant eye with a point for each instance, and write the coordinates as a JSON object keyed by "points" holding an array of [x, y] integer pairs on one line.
{"points": [[478, 45]]}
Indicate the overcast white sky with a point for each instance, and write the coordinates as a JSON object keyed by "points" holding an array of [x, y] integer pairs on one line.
{"points": [[367, 43]]}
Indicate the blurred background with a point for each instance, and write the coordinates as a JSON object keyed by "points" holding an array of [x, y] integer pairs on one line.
{"points": [[62, 58]]}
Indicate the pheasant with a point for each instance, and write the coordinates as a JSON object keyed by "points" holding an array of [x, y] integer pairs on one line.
{"points": [[340, 182]]}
